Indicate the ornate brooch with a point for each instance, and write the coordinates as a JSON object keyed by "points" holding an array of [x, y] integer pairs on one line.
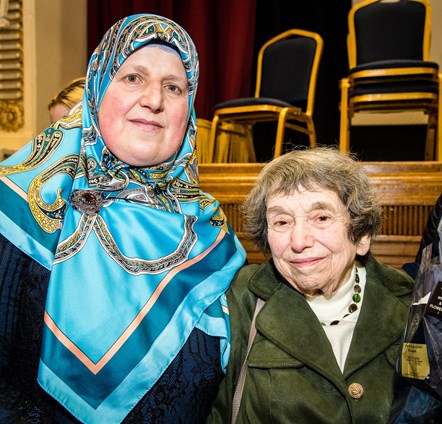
{"points": [[89, 202]]}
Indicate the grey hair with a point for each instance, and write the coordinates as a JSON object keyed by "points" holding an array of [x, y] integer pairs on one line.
{"points": [[324, 167]]}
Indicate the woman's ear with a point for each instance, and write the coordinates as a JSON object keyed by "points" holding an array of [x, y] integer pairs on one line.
{"points": [[363, 245]]}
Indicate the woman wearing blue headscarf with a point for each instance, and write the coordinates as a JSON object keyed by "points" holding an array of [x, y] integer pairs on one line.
{"points": [[113, 263]]}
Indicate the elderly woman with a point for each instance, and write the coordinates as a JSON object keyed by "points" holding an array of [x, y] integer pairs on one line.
{"points": [[329, 331], [113, 263]]}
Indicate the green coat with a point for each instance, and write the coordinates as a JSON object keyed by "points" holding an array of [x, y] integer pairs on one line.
{"points": [[292, 375]]}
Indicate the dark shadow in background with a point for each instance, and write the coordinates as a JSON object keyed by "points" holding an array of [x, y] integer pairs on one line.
{"points": [[389, 143]]}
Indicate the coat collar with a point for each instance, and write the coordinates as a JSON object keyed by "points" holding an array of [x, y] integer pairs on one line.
{"points": [[381, 321]]}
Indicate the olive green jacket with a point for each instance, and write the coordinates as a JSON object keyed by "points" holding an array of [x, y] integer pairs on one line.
{"points": [[292, 375]]}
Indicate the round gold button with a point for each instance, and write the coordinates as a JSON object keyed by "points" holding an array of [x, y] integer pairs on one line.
{"points": [[355, 390]]}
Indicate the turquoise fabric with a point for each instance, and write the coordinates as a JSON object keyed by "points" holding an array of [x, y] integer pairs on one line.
{"points": [[133, 276]]}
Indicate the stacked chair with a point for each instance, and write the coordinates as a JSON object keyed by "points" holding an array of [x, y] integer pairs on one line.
{"points": [[389, 68]]}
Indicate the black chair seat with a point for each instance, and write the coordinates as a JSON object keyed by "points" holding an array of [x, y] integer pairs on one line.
{"points": [[395, 87], [250, 101], [396, 63]]}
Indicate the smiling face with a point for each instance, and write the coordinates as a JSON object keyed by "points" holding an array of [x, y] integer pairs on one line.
{"points": [[309, 242], [143, 115]]}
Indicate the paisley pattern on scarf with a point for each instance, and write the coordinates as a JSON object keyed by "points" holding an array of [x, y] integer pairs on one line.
{"points": [[139, 257]]}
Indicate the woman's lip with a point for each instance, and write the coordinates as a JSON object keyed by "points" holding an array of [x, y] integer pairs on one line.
{"points": [[305, 262], [143, 123]]}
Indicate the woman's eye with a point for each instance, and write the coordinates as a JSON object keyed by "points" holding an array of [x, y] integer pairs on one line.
{"points": [[321, 219], [280, 224], [132, 78], [173, 88]]}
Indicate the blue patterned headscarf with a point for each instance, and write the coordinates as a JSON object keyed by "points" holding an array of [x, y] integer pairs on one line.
{"points": [[139, 257]]}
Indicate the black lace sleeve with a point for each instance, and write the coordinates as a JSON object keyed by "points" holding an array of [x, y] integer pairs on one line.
{"points": [[23, 288]]}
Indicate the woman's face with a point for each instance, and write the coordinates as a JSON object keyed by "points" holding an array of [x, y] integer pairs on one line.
{"points": [[308, 237], [57, 111], [143, 114]]}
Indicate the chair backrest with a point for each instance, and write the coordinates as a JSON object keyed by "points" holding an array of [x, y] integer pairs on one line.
{"points": [[389, 29], [288, 66]]}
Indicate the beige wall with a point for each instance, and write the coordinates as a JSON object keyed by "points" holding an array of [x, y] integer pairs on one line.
{"points": [[61, 43], [55, 50]]}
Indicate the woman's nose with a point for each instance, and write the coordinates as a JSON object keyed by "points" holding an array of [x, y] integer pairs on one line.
{"points": [[152, 97], [301, 236]]}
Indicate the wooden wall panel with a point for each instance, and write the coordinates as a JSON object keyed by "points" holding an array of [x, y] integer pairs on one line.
{"points": [[407, 191]]}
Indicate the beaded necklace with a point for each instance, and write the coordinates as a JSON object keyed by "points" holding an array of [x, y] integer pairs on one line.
{"points": [[356, 298]]}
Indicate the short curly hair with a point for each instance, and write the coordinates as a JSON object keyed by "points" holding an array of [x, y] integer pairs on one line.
{"points": [[324, 167]]}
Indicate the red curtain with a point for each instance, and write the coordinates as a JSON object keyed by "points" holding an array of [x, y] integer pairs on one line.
{"points": [[223, 31]]}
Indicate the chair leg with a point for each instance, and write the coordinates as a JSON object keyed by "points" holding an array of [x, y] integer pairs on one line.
{"points": [[430, 147], [311, 132], [344, 129], [279, 140]]}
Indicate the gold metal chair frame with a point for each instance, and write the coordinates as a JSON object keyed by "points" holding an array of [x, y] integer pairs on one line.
{"points": [[293, 118], [427, 102]]}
